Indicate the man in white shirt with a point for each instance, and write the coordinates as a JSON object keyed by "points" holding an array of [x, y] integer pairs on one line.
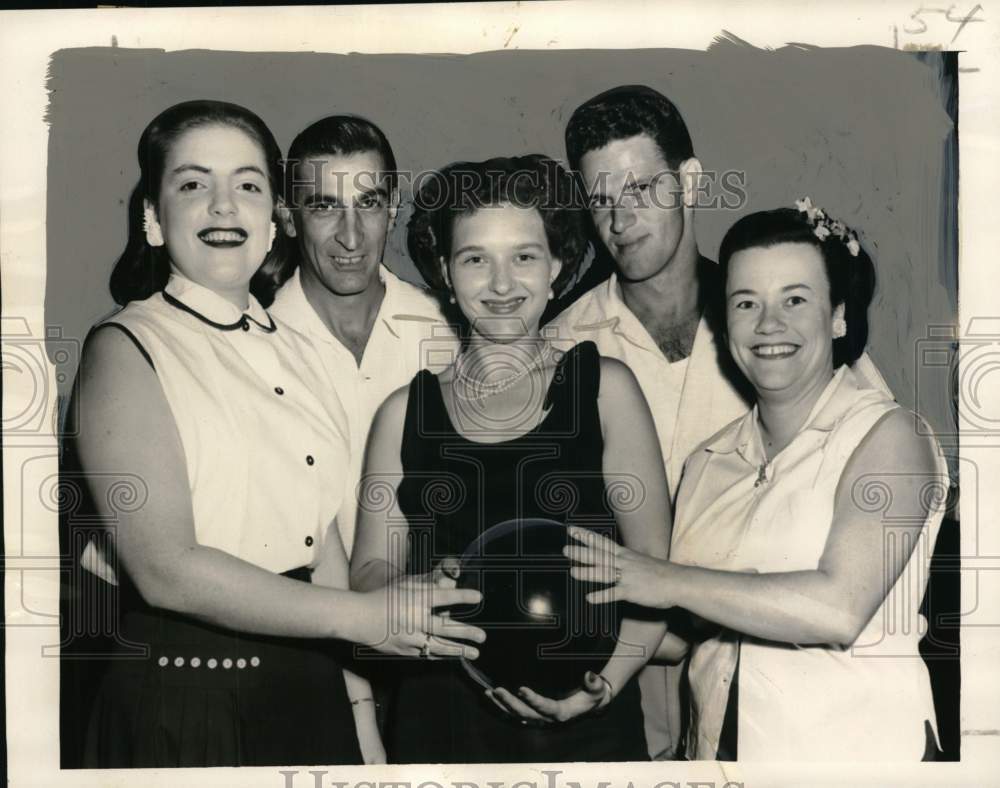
{"points": [[374, 331], [634, 154]]}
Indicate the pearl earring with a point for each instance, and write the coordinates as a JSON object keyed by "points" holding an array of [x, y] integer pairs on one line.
{"points": [[151, 227], [452, 300], [839, 328], [552, 294], [270, 237]]}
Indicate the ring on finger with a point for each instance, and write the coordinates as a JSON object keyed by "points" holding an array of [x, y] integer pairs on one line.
{"points": [[618, 574], [425, 649]]}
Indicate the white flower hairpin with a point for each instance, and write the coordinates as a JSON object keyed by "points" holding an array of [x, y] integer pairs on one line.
{"points": [[824, 226], [151, 227]]}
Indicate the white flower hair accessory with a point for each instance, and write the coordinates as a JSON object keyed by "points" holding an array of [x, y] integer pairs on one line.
{"points": [[151, 227], [824, 226]]}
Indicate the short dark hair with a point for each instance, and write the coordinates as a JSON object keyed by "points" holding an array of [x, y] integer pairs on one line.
{"points": [[851, 279], [338, 135], [624, 112], [143, 270], [462, 188]]}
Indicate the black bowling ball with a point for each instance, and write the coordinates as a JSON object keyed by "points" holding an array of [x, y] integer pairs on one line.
{"points": [[540, 630]]}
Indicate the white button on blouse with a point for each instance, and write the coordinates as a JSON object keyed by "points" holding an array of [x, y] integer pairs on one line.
{"points": [[266, 469]]}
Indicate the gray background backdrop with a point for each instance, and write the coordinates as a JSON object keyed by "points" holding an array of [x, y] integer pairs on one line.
{"points": [[867, 132]]}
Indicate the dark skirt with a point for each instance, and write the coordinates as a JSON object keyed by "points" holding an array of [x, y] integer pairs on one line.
{"points": [[439, 715], [206, 696]]}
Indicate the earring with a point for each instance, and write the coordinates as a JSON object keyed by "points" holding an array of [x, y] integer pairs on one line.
{"points": [[270, 238], [552, 294], [151, 227], [452, 300], [839, 328]]}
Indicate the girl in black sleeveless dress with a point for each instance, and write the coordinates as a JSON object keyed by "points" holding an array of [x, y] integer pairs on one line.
{"points": [[514, 428], [553, 471]]}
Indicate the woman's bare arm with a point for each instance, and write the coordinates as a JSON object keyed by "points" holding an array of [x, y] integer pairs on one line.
{"points": [[633, 467], [380, 542], [126, 427], [830, 604]]}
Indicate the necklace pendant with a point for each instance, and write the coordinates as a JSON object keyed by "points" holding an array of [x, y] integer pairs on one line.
{"points": [[761, 475]]}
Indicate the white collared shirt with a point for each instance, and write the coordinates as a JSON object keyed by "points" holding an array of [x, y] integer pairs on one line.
{"points": [[812, 702], [690, 399], [263, 435], [409, 334]]}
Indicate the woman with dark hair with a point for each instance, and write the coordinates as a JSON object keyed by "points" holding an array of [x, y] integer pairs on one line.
{"points": [[784, 539], [232, 446], [509, 422]]}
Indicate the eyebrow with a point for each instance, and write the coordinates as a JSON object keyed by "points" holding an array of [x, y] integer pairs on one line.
{"points": [[785, 289], [638, 176], [475, 248], [381, 191], [207, 170], [312, 199]]}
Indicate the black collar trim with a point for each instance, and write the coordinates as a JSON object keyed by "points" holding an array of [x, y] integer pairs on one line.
{"points": [[245, 319]]}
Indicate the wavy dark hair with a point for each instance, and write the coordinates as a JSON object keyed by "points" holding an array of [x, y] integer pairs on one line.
{"points": [[623, 112], [462, 188], [143, 270], [852, 279]]}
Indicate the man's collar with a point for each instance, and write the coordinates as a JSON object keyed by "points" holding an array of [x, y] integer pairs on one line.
{"points": [[617, 315], [292, 306], [612, 308], [211, 308]]}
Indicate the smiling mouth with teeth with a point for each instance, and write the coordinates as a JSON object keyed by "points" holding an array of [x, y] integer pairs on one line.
{"points": [[504, 306], [774, 350], [223, 236]]}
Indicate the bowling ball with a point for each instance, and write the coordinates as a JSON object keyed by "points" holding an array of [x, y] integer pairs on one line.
{"points": [[541, 632]]}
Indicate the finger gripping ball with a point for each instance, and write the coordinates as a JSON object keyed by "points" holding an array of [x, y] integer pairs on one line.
{"points": [[540, 630]]}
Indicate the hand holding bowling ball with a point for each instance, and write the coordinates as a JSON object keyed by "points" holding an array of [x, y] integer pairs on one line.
{"points": [[541, 633], [623, 575]]}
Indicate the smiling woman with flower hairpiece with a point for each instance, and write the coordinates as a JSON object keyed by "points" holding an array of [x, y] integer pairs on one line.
{"points": [[808, 601]]}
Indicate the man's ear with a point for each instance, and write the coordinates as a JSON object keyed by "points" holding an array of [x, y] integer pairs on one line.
{"points": [[285, 216], [393, 207], [690, 177]]}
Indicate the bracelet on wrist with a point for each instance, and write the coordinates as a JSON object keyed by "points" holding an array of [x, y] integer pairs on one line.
{"points": [[359, 701], [610, 694]]}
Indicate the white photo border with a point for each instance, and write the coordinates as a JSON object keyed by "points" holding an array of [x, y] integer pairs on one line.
{"points": [[27, 40]]}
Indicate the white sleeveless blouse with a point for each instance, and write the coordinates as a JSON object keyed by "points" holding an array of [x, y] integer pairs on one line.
{"points": [[263, 431], [805, 702]]}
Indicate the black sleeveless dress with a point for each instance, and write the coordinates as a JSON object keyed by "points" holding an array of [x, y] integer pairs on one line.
{"points": [[452, 490]]}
